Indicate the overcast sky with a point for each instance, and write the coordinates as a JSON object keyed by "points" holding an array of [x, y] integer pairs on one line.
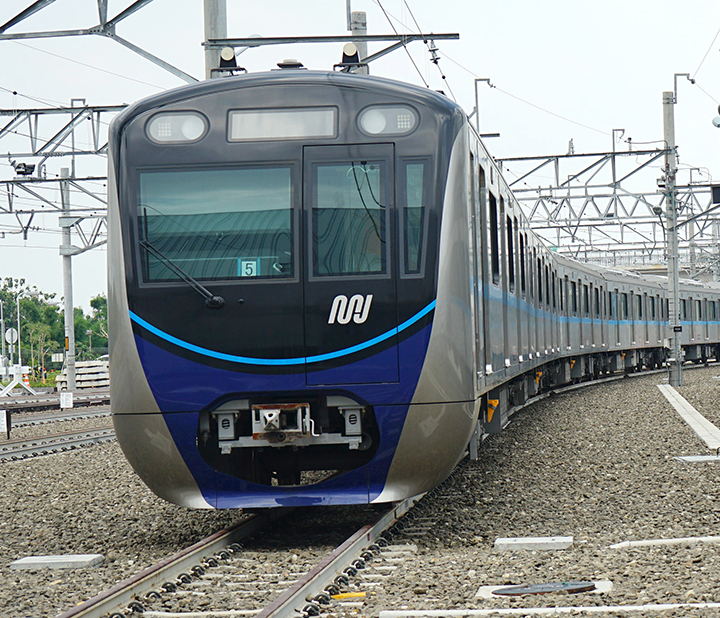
{"points": [[563, 69]]}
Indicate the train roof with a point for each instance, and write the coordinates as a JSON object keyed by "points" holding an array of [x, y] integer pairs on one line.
{"points": [[289, 78]]}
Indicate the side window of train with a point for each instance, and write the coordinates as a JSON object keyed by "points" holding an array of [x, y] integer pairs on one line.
{"points": [[597, 302], [683, 309], [561, 293], [698, 311], [554, 295], [493, 226], [711, 310], [540, 280], [586, 301], [531, 273], [547, 285], [522, 264], [509, 228], [639, 307], [414, 199], [573, 289], [624, 306], [651, 300]]}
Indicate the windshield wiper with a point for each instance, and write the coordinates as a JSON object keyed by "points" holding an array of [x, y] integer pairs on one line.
{"points": [[211, 300]]}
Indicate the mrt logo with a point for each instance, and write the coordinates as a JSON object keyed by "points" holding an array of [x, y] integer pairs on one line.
{"points": [[355, 309]]}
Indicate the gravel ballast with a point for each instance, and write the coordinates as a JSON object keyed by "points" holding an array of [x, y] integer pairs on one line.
{"points": [[596, 464]]}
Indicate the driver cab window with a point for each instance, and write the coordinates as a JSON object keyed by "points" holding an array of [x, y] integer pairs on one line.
{"points": [[350, 219]]}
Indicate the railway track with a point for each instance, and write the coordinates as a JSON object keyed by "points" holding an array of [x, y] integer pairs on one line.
{"points": [[51, 401], [37, 418], [12, 450], [219, 560]]}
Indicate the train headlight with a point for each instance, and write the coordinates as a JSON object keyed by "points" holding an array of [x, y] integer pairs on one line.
{"points": [[176, 127], [388, 120]]}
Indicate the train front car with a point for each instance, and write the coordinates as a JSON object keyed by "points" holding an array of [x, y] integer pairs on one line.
{"points": [[273, 251]]}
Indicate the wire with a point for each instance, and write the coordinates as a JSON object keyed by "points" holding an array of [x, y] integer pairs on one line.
{"points": [[407, 51], [707, 93], [542, 109], [433, 56], [706, 54], [90, 66], [25, 96]]}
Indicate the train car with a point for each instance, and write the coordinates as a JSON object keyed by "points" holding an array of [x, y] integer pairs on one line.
{"points": [[322, 291]]}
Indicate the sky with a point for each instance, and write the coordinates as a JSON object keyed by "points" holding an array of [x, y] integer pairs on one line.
{"points": [[561, 69]]}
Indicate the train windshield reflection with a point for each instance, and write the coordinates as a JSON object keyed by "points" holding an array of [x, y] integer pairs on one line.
{"points": [[217, 224]]}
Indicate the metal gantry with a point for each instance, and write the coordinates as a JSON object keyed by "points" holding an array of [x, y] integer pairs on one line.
{"points": [[105, 27], [596, 207], [37, 135]]}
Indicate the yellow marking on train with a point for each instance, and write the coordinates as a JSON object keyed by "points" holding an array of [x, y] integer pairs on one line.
{"points": [[538, 375], [572, 363], [492, 406]]}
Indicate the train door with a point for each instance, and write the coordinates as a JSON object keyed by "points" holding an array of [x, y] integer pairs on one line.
{"points": [[706, 324], [603, 318], [519, 293], [523, 304], [350, 297], [477, 181], [566, 314]]}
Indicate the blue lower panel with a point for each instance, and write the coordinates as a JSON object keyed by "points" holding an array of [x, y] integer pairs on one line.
{"points": [[183, 387], [358, 486]]}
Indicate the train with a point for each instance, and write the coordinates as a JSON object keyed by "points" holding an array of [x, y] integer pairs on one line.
{"points": [[323, 292]]}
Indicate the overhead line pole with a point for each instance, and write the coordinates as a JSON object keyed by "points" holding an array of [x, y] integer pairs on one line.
{"points": [[215, 28], [675, 326], [66, 250]]}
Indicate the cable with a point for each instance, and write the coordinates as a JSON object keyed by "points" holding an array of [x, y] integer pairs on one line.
{"points": [[25, 96], [706, 54], [407, 51], [433, 55], [707, 93], [90, 66], [542, 109]]}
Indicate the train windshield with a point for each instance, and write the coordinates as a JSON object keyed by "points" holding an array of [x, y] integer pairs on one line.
{"points": [[217, 223], [349, 218]]}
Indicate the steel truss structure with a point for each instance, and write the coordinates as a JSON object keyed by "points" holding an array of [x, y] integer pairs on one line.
{"points": [[595, 207], [45, 133]]}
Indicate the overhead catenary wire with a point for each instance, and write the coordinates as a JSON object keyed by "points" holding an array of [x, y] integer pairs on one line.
{"points": [[90, 66], [706, 54], [433, 55], [407, 51]]}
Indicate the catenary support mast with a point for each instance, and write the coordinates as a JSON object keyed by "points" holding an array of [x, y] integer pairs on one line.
{"points": [[674, 325]]}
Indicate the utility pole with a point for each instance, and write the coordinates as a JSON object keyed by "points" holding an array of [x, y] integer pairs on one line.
{"points": [[66, 250], [215, 28], [674, 324], [358, 25]]}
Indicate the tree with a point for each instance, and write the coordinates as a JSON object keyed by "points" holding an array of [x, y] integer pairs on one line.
{"points": [[39, 340]]}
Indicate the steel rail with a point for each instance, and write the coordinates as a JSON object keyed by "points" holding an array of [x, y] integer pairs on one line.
{"points": [[21, 449], [292, 601], [37, 418], [52, 401], [123, 593]]}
